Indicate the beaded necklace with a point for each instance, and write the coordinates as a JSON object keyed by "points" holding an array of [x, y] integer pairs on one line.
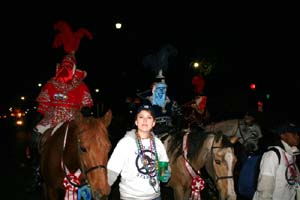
{"points": [[291, 174], [147, 162]]}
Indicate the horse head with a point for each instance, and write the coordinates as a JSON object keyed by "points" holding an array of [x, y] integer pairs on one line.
{"points": [[94, 146], [220, 164], [202, 150]]}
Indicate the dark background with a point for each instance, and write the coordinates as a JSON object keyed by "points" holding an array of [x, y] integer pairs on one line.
{"points": [[247, 43]]}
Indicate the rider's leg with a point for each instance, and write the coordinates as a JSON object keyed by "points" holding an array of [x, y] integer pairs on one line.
{"points": [[36, 134]]}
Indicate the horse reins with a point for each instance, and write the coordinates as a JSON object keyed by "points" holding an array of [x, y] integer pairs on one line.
{"points": [[95, 167]]}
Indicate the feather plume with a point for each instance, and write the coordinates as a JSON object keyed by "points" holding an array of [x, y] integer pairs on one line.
{"points": [[67, 38], [199, 83], [159, 61]]}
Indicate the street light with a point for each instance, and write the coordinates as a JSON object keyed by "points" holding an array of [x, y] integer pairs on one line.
{"points": [[195, 64], [118, 25]]}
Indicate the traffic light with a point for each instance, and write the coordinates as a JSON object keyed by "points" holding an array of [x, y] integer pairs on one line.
{"points": [[252, 86]]}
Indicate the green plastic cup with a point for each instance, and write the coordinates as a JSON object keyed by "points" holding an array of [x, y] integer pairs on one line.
{"points": [[162, 167]]}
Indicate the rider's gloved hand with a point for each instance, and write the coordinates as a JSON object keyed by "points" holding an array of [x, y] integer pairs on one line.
{"points": [[165, 178]]}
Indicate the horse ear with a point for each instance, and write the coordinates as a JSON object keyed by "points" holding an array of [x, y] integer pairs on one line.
{"points": [[106, 119], [234, 139]]}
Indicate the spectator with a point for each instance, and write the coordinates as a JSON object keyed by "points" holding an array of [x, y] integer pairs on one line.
{"points": [[136, 158], [280, 179]]}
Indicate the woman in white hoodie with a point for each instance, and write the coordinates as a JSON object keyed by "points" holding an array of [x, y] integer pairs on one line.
{"points": [[136, 158]]}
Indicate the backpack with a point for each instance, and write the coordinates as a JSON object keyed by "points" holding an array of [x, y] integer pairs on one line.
{"points": [[247, 181]]}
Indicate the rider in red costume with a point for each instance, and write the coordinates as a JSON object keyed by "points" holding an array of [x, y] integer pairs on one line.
{"points": [[63, 94]]}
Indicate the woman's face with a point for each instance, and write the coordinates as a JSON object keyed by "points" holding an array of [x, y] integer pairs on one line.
{"points": [[144, 121]]}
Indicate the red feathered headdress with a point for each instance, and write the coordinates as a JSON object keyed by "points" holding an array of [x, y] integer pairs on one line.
{"points": [[70, 41], [198, 82]]}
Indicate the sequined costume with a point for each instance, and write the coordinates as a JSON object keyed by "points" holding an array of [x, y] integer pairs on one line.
{"points": [[58, 100], [65, 93]]}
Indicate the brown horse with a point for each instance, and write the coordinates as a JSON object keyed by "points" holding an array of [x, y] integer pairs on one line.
{"points": [[76, 155], [210, 150]]}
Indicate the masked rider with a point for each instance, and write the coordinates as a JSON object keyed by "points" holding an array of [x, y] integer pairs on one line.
{"points": [[63, 94]]}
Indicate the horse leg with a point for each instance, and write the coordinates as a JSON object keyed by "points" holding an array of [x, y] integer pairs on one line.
{"points": [[180, 181], [187, 193], [179, 193]]}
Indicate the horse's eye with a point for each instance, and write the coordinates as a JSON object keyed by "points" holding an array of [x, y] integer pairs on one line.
{"points": [[82, 149], [218, 162]]}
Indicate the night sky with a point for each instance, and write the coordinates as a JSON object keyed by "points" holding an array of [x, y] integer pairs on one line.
{"points": [[245, 45]]}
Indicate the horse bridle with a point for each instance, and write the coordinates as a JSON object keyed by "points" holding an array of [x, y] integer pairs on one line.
{"points": [[85, 172], [213, 157], [214, 160]]}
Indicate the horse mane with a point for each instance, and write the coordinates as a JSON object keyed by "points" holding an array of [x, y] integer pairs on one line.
{"points": [[196, 138], [225, 139]]}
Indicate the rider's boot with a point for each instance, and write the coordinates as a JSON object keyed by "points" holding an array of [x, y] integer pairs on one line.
{"points": [[35, 180]]}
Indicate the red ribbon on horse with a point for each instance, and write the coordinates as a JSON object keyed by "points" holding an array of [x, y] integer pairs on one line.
{"points": [[198, 184], [71, 190]]}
